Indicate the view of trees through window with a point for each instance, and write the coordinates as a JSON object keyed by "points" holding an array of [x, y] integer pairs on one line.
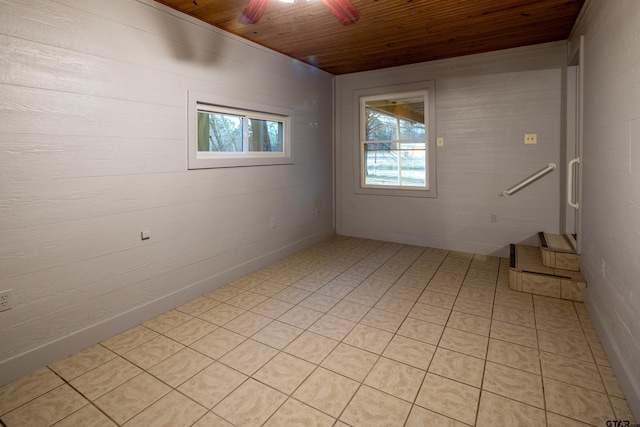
{"points": [[394, 150], [222, 132]]}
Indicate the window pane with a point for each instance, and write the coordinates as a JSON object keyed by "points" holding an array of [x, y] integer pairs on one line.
{"points": [[381, 164], [395, 164], [265, 135], [380, 127], [411, 130], [413, 171], [222, 132], [395, 119]]}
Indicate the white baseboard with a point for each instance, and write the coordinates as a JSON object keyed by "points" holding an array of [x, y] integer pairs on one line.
{"points": [[39, 357], [451, 245]]}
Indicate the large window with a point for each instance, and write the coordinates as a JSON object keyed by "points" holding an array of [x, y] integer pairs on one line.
{"points": [[396, 149], [228, 136]]}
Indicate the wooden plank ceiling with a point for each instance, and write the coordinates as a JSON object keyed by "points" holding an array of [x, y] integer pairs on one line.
{"points": [[391, 32]]}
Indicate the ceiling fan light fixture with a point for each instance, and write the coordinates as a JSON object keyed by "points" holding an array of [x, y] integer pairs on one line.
{"points": [[253, 12], [344, 10]]}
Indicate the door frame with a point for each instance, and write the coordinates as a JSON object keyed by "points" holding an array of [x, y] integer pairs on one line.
{"points": [[575, 102]]}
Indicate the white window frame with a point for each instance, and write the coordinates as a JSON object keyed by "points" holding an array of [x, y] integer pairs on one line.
{"points": [[198, 101], [398, 91]]}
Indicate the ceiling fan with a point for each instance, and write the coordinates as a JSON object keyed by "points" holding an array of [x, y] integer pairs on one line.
{"points": [[344, 10]]}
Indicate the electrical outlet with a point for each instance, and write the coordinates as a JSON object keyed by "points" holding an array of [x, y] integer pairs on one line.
{"points": [[494, 217], [530, 138], [440, 141], [5, 300]]}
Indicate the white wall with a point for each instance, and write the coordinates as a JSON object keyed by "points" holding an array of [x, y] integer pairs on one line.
{"points": [[484, 105], [93, 107], [611, 182]]}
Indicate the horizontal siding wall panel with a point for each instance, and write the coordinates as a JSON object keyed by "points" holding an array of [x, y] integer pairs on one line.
{"points": [[611, 182], [496, 130], [484, 105], [93, 150], [182, 234], [74, 156], [39, 65], [61, 200], [194, 51], [90, 33], [50, 112]]}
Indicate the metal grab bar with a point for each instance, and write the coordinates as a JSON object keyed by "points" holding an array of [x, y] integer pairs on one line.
{"points": [[529, 180], [570, 193]]}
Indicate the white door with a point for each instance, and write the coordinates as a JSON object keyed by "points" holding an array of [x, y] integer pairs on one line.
{"points": [[574, 146]]}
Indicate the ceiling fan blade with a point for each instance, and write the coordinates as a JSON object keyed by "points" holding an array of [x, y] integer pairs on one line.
{"points": [[253, 12], [344, 10]]}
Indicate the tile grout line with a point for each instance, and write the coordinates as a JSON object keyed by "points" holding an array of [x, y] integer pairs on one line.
{"points": [[386, 258], [317, 367], [90, 401], [486, 359]]}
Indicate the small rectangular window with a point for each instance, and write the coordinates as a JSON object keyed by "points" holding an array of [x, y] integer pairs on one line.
{"points": [[396, 144], [224, 136]]}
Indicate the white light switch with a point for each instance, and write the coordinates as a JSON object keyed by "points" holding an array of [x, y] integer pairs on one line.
{"points": [[440, 141]]}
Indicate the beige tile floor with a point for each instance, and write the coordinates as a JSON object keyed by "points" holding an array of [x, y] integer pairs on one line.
{"points": [[349, 332]]}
